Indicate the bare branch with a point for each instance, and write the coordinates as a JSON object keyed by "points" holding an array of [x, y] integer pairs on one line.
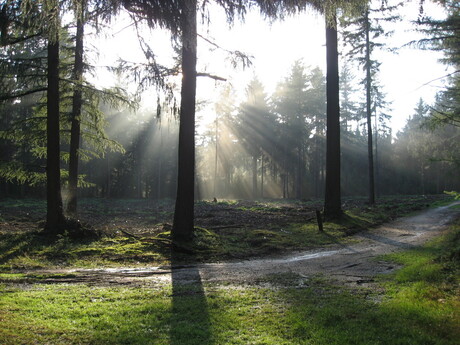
{"points": [[212, 76]]}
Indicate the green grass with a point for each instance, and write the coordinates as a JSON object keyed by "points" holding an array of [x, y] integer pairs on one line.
{"points": [[427, 289], [30, 251], [418, 304], [437, 260]]}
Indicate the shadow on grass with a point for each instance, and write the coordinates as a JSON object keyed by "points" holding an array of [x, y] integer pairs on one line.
{"points": [[331, 316], [338, 241], [14, 245], [190, 321], [31, 248], [388, 241]]}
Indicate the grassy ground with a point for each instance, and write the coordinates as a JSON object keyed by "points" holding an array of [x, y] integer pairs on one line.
{"points": [[418, 304], [137, 232]]}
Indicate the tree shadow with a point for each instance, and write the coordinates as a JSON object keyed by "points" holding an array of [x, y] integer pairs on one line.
{"points": [[190, 319], [31, 244], [340, 316], [338, 241], [387, 241], [13, 245]]}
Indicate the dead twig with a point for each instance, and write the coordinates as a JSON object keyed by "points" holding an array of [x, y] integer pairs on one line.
{"points": [[130, 234], [220, 227]]}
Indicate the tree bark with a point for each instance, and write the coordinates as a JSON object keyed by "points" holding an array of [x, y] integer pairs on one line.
{"points": [[55, 214], [262, 171], [216, 157], [254, 177], [376, 157], [76, 111], [368, 115], [108, 192], [332, 204], [183, 224], [298, 187]]}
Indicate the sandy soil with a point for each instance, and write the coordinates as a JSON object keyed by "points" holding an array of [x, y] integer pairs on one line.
{"points": [[353, 264]]}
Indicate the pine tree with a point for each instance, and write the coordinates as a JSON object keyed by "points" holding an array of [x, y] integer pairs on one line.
{"points": [[316, 107], [444, 35], [362, 34], [77, 100], [225, 109], [348, 108], [332, 202], [183, 225], [255, 128], [290, 104], [25, 40], [55, 220], [417, 147]]}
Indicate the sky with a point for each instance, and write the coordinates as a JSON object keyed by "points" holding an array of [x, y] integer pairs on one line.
{"points": [[407, 76]]}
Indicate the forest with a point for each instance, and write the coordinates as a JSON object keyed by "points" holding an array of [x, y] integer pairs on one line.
{"points": [[263, 146], [110, 180]]}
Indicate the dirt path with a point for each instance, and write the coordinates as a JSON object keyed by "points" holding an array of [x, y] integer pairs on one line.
{"points": [[353, 264]]}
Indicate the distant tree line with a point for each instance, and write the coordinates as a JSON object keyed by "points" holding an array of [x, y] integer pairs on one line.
{"points": [[275, 146], [265, 147]]}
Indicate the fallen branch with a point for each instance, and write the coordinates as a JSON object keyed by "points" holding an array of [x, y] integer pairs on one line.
{"points": [[156, 239], [227, 226], [130, 234], [146, 239]]}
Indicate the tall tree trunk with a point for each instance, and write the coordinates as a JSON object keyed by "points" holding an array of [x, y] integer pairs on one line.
{"points": [[283, 184], [160, 164], [54, 213], [316, 164], [368, 114], [332, 203], [376, 158], [216, 156], [298, 187], [262, 170], [108, 192], [76, 110], [422, 178], [183, 225], [254, 177], [139, 191]]}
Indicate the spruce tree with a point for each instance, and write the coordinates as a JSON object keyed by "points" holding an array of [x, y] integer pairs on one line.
{"points": [[332, 202], [290, 103], [444, 35], [183, 225], [254, 128], [362, 34], [55, 220], [77, 100]]}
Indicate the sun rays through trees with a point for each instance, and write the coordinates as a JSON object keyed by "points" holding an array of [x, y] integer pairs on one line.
{"points": [[262, 136]]}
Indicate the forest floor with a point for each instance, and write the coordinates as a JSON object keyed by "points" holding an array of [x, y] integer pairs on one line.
{"points": [[140, 216], [256, 273], [137, 232], [352, 259]]}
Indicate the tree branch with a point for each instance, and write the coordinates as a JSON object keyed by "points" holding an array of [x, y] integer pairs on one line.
{"points": [[21, 94], [212, 76]]}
